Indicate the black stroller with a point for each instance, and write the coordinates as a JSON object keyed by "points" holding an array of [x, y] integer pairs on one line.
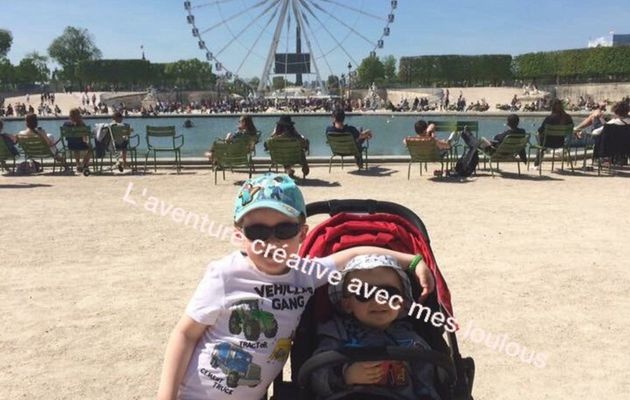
{"points": [[384, 224]]}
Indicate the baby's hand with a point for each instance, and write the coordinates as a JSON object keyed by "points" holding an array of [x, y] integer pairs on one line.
{"points": [[427, 281], [363, 373]]}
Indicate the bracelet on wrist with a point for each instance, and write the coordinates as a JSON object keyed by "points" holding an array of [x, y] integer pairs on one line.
{"points": [[415, 261]]}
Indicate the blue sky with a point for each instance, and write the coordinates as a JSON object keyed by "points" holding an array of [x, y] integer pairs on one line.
{"points": [[421, 27]]}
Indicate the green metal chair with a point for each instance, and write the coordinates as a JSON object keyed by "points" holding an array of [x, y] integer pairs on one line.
{"points": [[343, 145], [164, 140], [507, 150], [253, 141], [36, 148], [77, 132], [229, 155], [549, 132], [122, 133], [285, 151], [424, 151], [6, 154]]}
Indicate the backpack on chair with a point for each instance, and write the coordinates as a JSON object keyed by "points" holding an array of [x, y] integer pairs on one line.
{"points": [[467, 163]]}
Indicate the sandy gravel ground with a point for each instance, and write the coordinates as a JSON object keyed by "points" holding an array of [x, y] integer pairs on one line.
{"points": [[91, 285]]}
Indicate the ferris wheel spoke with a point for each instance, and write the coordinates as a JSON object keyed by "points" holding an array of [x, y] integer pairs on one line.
{"points": [[319, 47], [274, 45], [248, 26], [334, 38], [333, 16], [300, 23], [235, 16], [251, 49], [357, 10], [212, 3]]}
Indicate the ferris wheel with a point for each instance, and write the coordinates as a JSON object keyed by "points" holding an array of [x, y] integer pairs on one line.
{"points": [[244, 39]]}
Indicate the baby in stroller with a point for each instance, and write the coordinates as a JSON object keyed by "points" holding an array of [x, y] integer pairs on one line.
{"points": [[357, 222], [370, 304]]}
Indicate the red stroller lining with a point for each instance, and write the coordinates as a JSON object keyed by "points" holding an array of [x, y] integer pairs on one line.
{"points": [[391, 231]]}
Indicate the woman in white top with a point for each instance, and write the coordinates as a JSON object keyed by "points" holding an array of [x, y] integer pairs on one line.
{"points": [[621, 110]]}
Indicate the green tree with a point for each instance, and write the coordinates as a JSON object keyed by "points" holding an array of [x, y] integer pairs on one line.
{"points": [[254, 82], [6, 40], [33, 69], [73, 46], [371, 70], [7, 73], [278, 82], [389, 65], [190, 74], [120, 73], [332, 83]]}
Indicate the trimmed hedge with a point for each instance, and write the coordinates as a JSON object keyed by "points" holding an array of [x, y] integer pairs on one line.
{"points": [[450, 70], [599, 64], [186, 74], [118, 72], [572, 66]]}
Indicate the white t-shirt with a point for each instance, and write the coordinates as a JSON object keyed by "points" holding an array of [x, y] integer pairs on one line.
{"points": [[253, 317], [614, 121]]}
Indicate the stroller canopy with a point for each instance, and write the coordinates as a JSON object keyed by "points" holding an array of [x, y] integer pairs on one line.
{"points": [[391, 231]]}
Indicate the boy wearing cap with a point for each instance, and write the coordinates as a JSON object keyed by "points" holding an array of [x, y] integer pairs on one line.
{"points": [[232, 340], [367, 318]]}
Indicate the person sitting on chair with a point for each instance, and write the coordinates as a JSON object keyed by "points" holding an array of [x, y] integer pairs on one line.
{"points": [[595, 119], [246, 130], [338, 126], [621, 110], [9, 141], [558, 117], [77, 145], [117, 119], [513, 129], [285, 127], [426, 133], [33, 129]]}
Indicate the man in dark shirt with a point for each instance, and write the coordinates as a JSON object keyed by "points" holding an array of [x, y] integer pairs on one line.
{"points": [[338, 126], [513, 129]]}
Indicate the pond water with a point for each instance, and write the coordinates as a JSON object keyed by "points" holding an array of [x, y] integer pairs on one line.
{"points": [[389, 129]]}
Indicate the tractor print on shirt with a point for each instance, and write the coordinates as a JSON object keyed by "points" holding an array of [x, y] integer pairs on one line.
{"points": [[236, 364], [247, 317]]}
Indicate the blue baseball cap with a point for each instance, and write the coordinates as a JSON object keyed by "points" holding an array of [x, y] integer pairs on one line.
{"points": [[275, 191]]}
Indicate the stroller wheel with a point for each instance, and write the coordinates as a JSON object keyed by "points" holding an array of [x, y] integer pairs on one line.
{"points": [[86, 171]]}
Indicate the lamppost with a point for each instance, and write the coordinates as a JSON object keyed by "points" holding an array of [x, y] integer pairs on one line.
{"points": [[342, 84], [349, 80]]}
